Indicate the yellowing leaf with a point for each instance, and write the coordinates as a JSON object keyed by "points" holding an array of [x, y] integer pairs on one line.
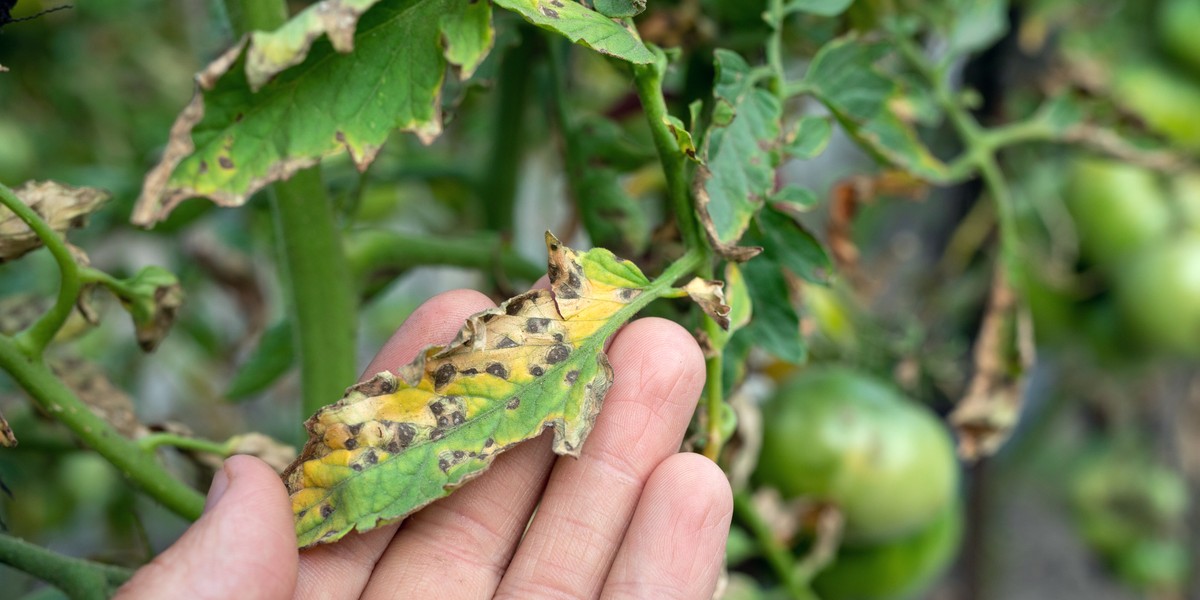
{"points": [[399, 441]]}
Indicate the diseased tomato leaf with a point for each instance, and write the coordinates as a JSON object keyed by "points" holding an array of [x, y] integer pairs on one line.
{"points": [[399, 441]]}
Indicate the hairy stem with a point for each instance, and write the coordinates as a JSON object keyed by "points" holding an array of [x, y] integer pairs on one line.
{"points": [[714, 393], [34, 339], [774, 17], [78, 578], [648, 80], [319, 287], [156, 440], [56, 399]]}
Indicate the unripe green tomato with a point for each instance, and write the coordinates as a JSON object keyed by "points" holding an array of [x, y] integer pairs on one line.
{"points": [[1164, 99], [844, 437], [1159, 294], [1178, 22], [1154, 564], [893, 570], [1117, 208]]}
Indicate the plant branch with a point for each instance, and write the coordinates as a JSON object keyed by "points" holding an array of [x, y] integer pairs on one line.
{"points": [[504, 165], [54, 397], [37, 336], [774, 17], [78, 578], [714, 393], [373, 250], [319, 287], [155, 440], [778, 557], [648, 80]]}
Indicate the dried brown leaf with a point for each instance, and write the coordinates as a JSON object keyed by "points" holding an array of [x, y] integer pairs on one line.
{"points": [[106, 400], [1003, 355], [62, 207], [7, 439], [710, 295]]}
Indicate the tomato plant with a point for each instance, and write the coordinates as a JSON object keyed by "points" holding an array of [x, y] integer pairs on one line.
{"points": [[931, 252]]}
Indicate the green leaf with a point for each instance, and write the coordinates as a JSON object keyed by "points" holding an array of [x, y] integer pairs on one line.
{"points": [[796, 197], [583, 26], [793, 246], [740, 152], [252, 123], [843, 76], [776, 325], [682, 136], [397, 442], [619, 8], [974, 25], [271, 358], [823, 8], [810, 138]]}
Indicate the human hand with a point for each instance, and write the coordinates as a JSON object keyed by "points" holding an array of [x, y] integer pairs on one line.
{"points": [[631, 517]]}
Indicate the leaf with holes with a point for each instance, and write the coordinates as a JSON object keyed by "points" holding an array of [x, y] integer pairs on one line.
{"points": [[399, 441]]}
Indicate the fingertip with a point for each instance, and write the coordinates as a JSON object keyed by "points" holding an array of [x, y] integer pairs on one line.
{"points": [[663, 350], [709, 500]]}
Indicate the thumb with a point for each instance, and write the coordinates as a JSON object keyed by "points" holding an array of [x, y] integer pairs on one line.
{"points": [[243, 547]]}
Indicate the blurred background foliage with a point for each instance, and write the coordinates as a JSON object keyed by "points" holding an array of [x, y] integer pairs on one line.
{"points": [[1092, 496]]}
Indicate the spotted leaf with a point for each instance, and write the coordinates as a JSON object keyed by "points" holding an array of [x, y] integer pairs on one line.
{"points": [[401, 440]]}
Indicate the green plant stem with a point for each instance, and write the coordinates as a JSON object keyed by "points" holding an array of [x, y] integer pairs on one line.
{"points": [[774, 17], [714, 393], [319, 286], [648, 80], [778, 557], [33, 340], [78, 578], [508, 135], [59, 401], [368, 251], [153, 441]]}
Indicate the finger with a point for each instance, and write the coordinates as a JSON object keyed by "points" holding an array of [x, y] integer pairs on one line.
{"points": [[342, 570], [567, 552], [459, 547], [243, 547], [675, 546]]}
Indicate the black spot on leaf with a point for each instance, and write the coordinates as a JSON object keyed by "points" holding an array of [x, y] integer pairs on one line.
{"points": [[513, 403], [536, 324], [326, 510], [443, 375], [506, 342], [536, 371], [498, 370], [558, 354]]}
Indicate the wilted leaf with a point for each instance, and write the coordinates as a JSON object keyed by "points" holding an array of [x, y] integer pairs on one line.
{"points": [[1003, 354], [62, 207], [7, 439], [152, 297], [709, 294], [106, 400], [843, 76], [251, 123], [739, 155], [584, 26], [397, 442]]}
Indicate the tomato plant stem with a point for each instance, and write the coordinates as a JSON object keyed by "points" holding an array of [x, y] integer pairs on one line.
{"points": [[156, 440], [648, 80], [59, 401], [778, 557], [319, 288], [774, 17], [714, 393], [34, 339], [78, 578], [508, 135], [370, 251]]}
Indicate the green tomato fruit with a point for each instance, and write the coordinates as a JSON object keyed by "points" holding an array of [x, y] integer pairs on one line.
{"points": [[1178, 22], [1154, 564], [1120, 498], [1159, 295], [1164, 99], [893, 570], [844, 437], [1117, 208]]}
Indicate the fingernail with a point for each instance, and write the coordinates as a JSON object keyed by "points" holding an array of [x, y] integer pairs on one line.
{"points": [[220, 483]]}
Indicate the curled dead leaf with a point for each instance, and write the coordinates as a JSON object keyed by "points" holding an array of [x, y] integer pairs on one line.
{"points": [[271, 451], [152, 297], [1003, 354], [106, 400], [710, 295], [7, 439], [62, 207]]}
